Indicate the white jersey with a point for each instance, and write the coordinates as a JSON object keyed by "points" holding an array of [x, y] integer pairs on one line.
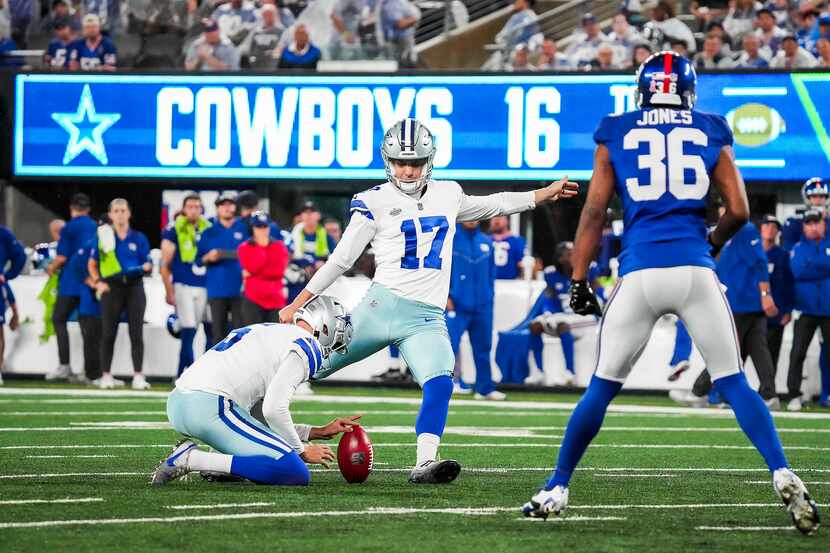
{"points": [[412, 238], [263, 361]]}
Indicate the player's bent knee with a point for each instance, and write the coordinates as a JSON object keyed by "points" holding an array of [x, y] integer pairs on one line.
{"points": [[289, 470]]}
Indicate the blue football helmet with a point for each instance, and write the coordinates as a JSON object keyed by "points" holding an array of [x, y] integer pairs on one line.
{"points": [[815, 186], [174, 327], [666, 79]]}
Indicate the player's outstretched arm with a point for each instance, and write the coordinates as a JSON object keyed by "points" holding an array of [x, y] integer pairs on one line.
{"points": [[730, 184], [476, 208], [359, 232]]}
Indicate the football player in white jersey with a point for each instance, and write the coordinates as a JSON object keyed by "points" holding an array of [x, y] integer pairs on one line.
{"points": [[410, 222], [266, 361]]}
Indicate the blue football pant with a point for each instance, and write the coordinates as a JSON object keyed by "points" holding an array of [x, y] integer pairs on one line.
{"points": [[479, 325]]}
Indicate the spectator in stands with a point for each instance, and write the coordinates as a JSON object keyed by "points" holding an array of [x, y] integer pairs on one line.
{"points": [[823, 48], [641, 54], [708, 10], [166, 16], [712, 56], [781, 10], [715, 28], [823, 28], [810, 265], [108, 12], [264, 39], [398, 20], [751, 56], [623, 38], [60, 12], [679, 46], [664, 20], [792, 56], [57, 52], [740, 18], [804, 31], [583, 49], [94, 51], [552, 60], [119, 260], [769, 33], [333, 229], [236, 19], [348, 17], [520, 60], [73, 237], [184, 281], [311, 241], [520, 27], [263, 263], [8, 45], [211, 52], [300, 53], [508, 249], [605, 59]]}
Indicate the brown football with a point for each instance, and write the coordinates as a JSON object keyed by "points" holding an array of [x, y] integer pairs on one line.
{"points": [[355, 455]]}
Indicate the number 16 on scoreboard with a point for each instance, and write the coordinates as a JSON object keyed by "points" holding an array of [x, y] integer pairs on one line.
{"points": [[532, 139]]}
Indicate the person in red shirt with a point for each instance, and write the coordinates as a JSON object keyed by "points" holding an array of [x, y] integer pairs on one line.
{"points": [[263, 265]]}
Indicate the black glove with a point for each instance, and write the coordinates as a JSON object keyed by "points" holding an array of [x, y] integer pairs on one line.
{"points": [[583, 300], [715, 248]]}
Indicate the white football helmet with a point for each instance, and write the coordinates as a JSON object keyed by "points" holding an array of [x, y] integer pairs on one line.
{"points": [[408, 140], [329, 322]]}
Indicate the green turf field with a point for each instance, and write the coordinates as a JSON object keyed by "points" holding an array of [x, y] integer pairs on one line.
{"points": [[74, 477]]}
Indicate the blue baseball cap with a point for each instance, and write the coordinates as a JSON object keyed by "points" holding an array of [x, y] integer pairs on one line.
{"points": [[260, 219]]}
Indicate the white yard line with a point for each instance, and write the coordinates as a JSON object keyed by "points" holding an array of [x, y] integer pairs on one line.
{"points": [[67, 474], [87, 446], [374, 400], [220, 506], [68, 456], [83, 413], [571, 519], [769, 483], [39, 501], [627, 475], [78, 401], [745, 528]]}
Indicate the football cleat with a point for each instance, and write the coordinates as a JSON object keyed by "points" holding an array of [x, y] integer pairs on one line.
{"points": [[435, 472], [495, 395], [678, 370], [546, 502], [139, 382], [222, 477], [61, 372], [687, 398], [803, 510], [174, 466]]}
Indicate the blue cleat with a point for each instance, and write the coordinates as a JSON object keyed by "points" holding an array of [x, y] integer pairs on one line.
{"points": [[174, 466]]}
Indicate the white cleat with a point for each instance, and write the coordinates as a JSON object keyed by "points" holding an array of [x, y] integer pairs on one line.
{"points": [[107, 382], [803, 510], [175, 465], [304, 389], [794, 405], [1, 379], [773, 404], [546, 502], [458, 389], [139, 382], [495, 395], [688, 399], [435, 472], [61, 372]]}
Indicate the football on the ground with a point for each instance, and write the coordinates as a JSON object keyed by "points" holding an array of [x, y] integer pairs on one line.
{"points": [[355, 456]]}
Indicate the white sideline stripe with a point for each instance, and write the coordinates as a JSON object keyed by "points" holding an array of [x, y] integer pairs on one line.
{"points": [[89, 401], [626, 475], [65, 474], [85, 446], [356, 400], [83, 413], [38, 501], [768, 482], [68, 456], [221, 506], [746, 528]]}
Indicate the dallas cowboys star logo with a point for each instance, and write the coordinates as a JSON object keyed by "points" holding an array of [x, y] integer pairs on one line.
{"points": [[86, 128]]}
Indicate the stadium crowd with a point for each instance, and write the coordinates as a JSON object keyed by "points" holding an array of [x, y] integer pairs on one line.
{"points": [[715, 34]]}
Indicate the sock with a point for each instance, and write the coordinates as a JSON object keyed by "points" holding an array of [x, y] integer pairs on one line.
{"points": [[289, 470], [186, 353], [682, 345], [567, 340], [753, 418], [824, 369], [432, 417], [209, 461], [583, 425]]}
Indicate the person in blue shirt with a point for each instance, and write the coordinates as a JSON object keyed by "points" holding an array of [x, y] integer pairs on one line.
{"points": [[217, 252], [781, 283], [810, 264], [508, 249], [470, 303], [311, 241], [183, 278], [8, 45], [7, 301], [815, 193], [73, 237], [89, 311], [12, 259], [57, 52], [119, 260], [300, 53], [661, 160], [93, 51]]}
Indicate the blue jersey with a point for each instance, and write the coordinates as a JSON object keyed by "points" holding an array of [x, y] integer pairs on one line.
{"points": [[132, 252], [12, 254], [473, 277], [742, 265], [74, 236], [663, 159], [190, 274], [223, 278], [77, 265], [780, 281], [792, 231], [57, 53], [90, 59], [508, 254]]}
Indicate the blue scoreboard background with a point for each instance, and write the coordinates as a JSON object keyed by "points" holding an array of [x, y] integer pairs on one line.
{"points": [[487, 127]]}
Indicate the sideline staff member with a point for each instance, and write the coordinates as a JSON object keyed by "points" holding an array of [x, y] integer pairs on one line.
{"points": [[117, 264]]}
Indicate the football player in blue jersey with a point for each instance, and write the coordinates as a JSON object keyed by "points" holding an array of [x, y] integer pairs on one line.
{"points": [[815, 193], [661, 159]]}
